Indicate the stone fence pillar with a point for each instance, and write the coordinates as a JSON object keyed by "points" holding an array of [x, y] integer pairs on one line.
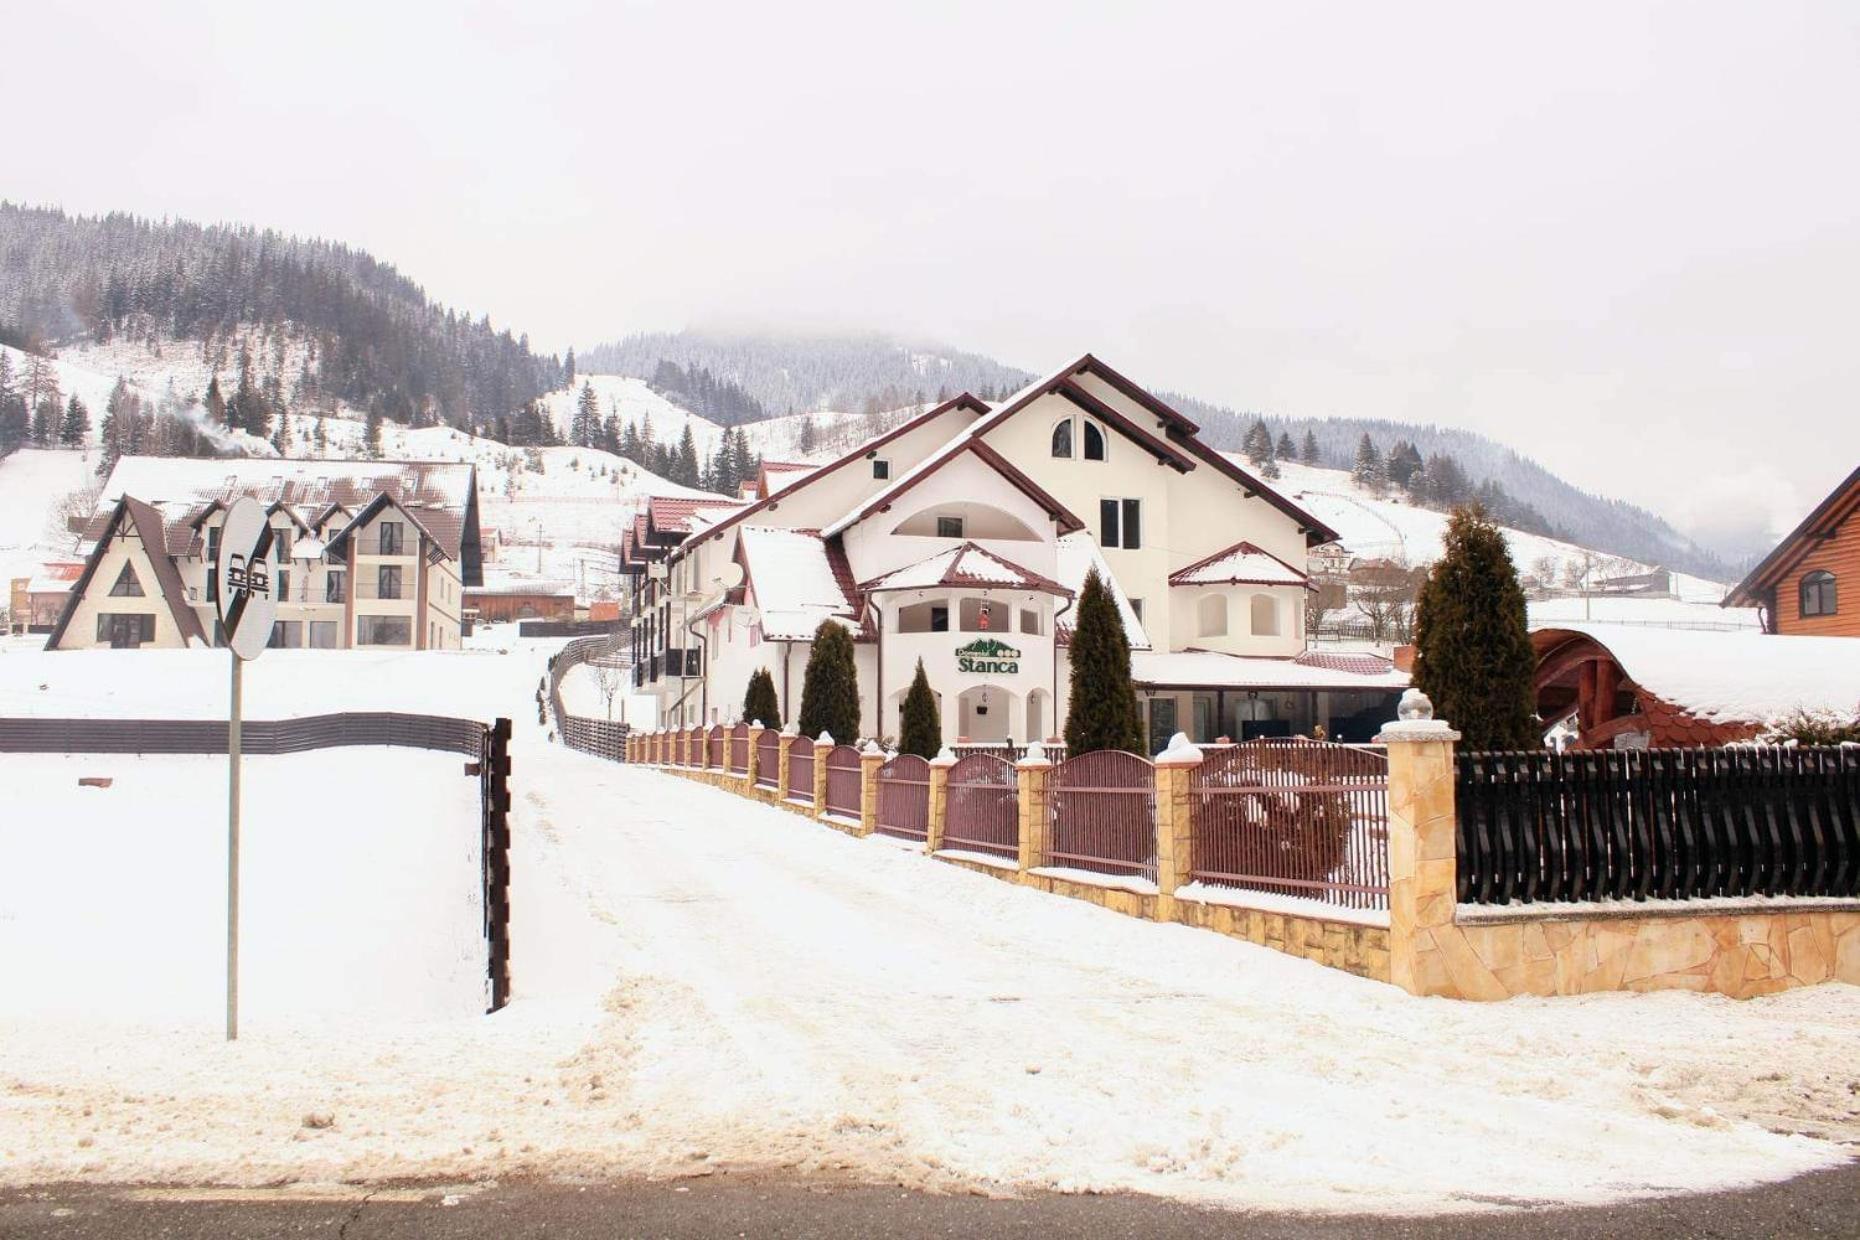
{"points": [[752, 759], [1422, 856], [823, 745], [1175, 821], [1031, 776], [782, 742], [939, 799], [870, 759]]}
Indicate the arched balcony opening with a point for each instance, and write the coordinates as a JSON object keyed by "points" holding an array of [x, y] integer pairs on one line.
{"points": [[1211, 616], [966, 519], [1265, 615]]}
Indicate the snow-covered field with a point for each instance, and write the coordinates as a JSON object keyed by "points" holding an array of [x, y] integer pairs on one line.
{"points": [[359, 880], [702, 982], [32, 484]]}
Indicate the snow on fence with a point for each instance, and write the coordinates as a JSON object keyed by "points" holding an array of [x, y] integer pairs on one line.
{"points": [[739, 749], [904, 797], [1658, 823], [1293, 817], [982, 810], [801, 770], [768, 758], [1054, 750], [1104, 814], [843, 780]]}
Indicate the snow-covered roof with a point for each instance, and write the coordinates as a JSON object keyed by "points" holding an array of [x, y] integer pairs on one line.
{"points": [[965, 565], [1078, 554], [1312, 670], [795, 580], [506, 581], [1241, 564], [1753, 677], [1669, 613], [681, 513]]}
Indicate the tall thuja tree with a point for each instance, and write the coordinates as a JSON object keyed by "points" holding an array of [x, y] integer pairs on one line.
{"points": [[830, 689], [1472, 647], [759, 702], [1103, 712], [920, 730]]}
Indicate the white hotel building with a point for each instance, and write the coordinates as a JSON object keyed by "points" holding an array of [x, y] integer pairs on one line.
{"points": [[963, 537]]}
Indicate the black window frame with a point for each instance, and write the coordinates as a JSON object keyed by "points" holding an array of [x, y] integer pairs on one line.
{"points": [[950, 527], [881, 468], [1062, 440], [1820, 585], [398, 541], [381, 580], [335, 586], [1095, 432]]}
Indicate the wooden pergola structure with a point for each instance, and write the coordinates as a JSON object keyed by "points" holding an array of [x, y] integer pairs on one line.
{"points": [[1576, 672]]}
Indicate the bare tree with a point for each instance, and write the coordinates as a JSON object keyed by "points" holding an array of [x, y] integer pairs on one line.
{"points": [[1385, 592], [608, 677]]}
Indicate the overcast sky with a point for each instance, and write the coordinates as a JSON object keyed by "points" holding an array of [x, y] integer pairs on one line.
{"points": [[1623, 238]]}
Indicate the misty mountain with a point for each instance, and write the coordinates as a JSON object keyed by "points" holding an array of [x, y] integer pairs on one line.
{"points": [[803, 373], [377, 343], [871, 372]]}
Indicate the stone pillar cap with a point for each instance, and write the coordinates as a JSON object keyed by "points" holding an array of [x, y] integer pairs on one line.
{"points": [[1035, 756], [825, 738], [791, 729], [944, 757], [871, 750], [1414, 731]]}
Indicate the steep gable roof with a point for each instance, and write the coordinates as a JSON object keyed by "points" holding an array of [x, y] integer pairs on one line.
{"points": [[1818, 526], [148, 528], [961, 444], [964, 401]]}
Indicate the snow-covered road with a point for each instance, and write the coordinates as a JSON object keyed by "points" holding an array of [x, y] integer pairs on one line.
{"points": [[702, 981]]}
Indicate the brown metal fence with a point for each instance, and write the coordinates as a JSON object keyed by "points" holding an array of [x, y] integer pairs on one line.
{"points": [[739, 749], [1294, 817], [904, 797], [1104, 814], [768, 758], [801, 770], [843, 781], [713, 747], [983, 810], [694, 747]]}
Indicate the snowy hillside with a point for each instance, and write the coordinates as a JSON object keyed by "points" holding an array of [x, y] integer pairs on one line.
{"points": [[1388, 528]]}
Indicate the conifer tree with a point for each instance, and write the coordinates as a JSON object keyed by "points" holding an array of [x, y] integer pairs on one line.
{"points": [[74, 431], [585, 426], [1258, 442], [759, 701], [372, 435], [45, 423], [920, 727], [1103, 711], [1310, 454], [1472, 647], [1368, 471], [685, 464], [830, 688], [216, 403], [281, 438]]}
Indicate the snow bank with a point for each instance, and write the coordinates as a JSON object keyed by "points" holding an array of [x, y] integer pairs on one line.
{"points": [[1737, 676]]}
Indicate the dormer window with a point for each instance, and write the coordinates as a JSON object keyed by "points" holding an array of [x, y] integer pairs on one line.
{"points": [[881, 468], [1062, 439]]}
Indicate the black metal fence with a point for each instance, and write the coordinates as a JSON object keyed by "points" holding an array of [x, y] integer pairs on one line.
{"points": [[1658, 823], [494, 797]]}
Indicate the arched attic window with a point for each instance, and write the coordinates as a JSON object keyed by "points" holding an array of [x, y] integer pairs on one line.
{"points": [[1211, 614], [1818, 597], [1062, 438], [1094, 442]]}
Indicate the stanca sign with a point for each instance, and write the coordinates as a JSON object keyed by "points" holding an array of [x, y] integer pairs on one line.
{"points": [[986, 655]]}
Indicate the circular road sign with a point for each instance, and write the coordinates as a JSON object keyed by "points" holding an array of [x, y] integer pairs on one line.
{"points": [[247, 573]]}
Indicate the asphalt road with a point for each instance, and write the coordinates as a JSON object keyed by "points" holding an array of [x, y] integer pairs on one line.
{"points": [[1822, 1205]]}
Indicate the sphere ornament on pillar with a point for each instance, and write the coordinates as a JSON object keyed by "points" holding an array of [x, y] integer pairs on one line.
{"points": [[1414, 705]]}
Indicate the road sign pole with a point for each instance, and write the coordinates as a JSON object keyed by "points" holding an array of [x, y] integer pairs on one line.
{"points": [[234, 743]]}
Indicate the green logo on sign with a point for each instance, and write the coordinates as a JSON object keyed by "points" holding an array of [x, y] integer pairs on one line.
{"points": [[985, 655]]}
